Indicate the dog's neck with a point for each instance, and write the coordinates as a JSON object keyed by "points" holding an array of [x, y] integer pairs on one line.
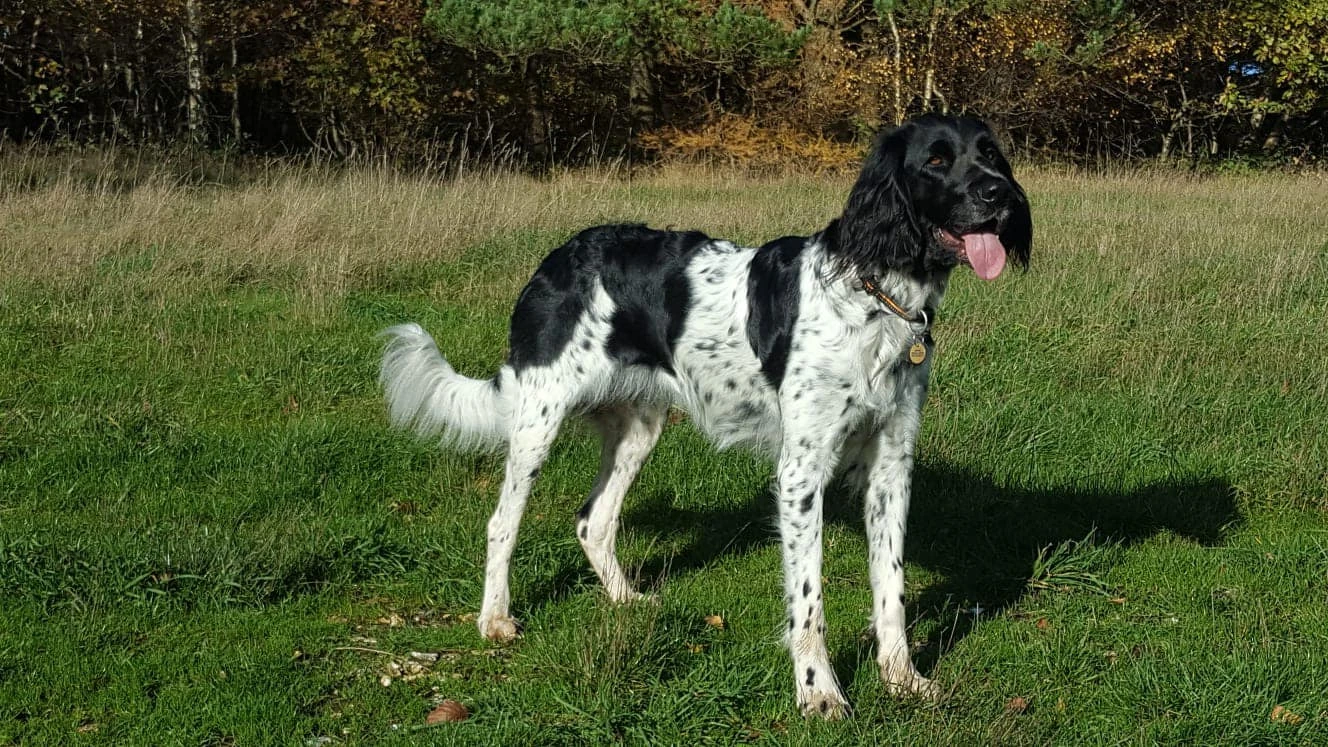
{"points": [[913, 291]]}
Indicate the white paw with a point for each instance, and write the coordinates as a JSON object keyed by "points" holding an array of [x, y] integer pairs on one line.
{"points": [[830, 706], [905, 682], [636, 597], [499, 629]]}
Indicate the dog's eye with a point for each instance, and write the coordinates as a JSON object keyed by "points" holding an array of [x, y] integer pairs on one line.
{"points": [[936, 161]]}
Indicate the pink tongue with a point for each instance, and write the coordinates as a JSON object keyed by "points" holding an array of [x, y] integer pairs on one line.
{"points": [[985, 254]]}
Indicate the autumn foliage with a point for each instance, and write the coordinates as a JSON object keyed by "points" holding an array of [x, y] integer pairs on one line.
{"points": [[753, 81]]}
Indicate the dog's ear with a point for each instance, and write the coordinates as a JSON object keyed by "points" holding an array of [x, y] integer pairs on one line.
{"points": [[1017, 238], [879, 228]]}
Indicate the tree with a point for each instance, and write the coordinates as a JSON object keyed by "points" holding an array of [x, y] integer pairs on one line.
{"points": [[540, 38]]}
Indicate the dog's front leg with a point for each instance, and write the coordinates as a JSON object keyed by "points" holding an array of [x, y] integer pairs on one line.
{"points": [[886, 508], [805, 464]]}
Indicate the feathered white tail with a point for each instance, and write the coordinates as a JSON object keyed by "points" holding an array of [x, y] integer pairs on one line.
{"points": [[426, 396]]}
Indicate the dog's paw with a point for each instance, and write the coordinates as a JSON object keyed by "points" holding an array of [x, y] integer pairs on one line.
{"points": [[830, 706], [905, 682], [499, 629], [636, 597]]}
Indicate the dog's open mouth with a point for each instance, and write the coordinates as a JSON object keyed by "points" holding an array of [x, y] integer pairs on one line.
{"points": [[980, 249]]}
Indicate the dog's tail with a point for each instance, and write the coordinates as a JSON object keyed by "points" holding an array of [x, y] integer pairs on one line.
{"points": [[425, 395]]}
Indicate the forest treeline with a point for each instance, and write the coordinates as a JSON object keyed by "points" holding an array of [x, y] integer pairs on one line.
{"points": [[576, 80]]}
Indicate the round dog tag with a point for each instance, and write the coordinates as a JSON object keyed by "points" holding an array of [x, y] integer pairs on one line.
{"points": [[917, 353]]}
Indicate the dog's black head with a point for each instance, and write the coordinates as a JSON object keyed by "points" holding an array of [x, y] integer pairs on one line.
{"points": [[934, 193]]}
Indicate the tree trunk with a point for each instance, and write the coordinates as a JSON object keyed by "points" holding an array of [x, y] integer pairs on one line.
{"points": [[641, 92], [193, 62], [929, 76], [1273, 139], [898, 69], [236, 132], [537, 126], [141, 70]]}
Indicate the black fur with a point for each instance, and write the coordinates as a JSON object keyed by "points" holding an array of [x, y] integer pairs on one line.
{"points": [[930, 195], [548, 309], [772, 301], [899, 201], [640, 268]]}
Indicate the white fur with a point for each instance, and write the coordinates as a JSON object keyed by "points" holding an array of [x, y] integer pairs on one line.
{"points": [[426, 396], [849, 399]]}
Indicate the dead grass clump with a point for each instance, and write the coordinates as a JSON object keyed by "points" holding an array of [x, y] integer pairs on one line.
{"points": [[738, 141]]}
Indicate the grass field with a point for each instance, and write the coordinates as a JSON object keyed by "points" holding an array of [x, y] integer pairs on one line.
{"points": [[209, 536]]}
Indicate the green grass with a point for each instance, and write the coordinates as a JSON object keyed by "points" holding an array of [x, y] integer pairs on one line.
{"points": [[208, 534]]}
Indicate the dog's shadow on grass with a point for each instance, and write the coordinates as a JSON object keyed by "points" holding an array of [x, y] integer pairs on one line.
{"points": [[982, 540]]}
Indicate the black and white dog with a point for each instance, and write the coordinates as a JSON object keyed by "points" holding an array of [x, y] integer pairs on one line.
{"points": [[814, 349]]}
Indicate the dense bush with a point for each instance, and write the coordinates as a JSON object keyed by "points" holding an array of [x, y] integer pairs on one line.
{"points": [[558, 80]]}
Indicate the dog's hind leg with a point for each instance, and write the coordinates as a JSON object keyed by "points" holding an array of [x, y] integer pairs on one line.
{"points": [[629, 434], [535, 424]]}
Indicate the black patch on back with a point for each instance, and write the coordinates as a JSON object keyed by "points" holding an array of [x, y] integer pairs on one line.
{"points": [[548, 308], [642, 271], [772, 303], [645, 275]]}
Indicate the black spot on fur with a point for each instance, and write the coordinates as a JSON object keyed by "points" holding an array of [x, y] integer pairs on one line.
{"points": [[772, 303], [642, 271], [806, 588], [806, 505], [811, 676]]}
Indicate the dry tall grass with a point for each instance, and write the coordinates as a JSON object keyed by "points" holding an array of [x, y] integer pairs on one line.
{"points": [[331, 228]]}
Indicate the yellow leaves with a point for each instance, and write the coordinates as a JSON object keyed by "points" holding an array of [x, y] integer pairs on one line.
{"points": [[1281, 715], [734, 139]]}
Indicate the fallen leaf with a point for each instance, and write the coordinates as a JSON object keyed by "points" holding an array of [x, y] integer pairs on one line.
{"points": [[715, 621], [1118, 600], [447, 711], [1283, 716], [1042, 623], [695, 648], [1016, 704], [385, 681]]}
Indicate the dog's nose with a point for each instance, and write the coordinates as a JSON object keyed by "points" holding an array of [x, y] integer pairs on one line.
{"points": [[992, 190]]}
